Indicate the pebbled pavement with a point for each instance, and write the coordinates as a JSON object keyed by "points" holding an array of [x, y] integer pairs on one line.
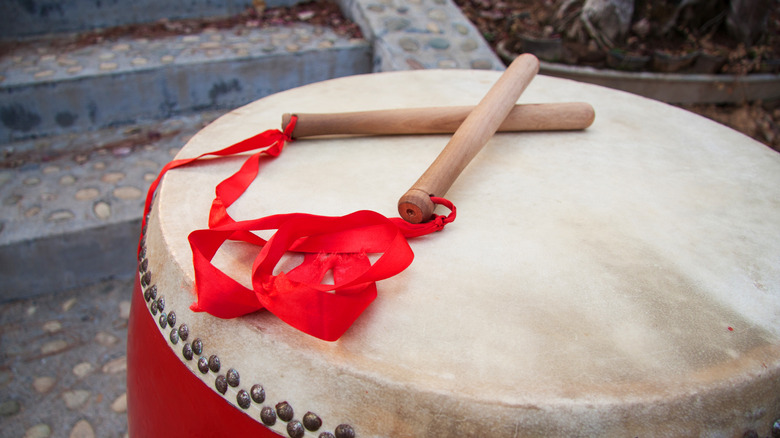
{"points": [[76, 205], [63, 363]]}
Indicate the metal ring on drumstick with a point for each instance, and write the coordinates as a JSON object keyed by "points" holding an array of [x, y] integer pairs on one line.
{"points": [[415, 205]]}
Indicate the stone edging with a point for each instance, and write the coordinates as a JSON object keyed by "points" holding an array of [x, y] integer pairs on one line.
{"points": [[676, 88]]}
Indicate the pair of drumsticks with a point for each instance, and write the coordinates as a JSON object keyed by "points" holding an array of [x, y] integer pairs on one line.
{"points": [[472, 126]]}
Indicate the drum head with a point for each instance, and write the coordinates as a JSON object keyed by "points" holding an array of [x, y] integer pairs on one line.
{"points": [[623, 280]]}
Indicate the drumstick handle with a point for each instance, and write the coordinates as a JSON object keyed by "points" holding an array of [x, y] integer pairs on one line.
{"points": [[564, 116], [416, 206]]}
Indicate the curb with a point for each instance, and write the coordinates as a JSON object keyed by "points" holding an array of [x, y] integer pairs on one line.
{"points": [[676, 88]]}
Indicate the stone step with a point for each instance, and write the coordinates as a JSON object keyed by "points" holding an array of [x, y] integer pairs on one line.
{"points": [[55, 86], [38, 17], [72, 216]]}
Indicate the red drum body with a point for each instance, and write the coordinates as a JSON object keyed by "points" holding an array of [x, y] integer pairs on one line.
{"points": [[167, 398], [619, 281]]}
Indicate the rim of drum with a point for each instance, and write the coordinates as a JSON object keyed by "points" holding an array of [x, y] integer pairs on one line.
{"points": [[683, 398]]}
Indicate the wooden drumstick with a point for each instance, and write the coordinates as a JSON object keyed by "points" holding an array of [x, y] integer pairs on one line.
{"points": [[416, 206], [441, 120]]}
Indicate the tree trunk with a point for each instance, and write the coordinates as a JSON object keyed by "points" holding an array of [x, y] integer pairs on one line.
{"points": [[607, 21], [747, 19]]}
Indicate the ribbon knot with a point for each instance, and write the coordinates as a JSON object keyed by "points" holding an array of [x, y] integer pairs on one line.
{"points": [[338, 246], [441, 221], [436, 223]]}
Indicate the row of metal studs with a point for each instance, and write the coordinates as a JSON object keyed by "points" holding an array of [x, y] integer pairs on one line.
{"points": [[268, 415]]}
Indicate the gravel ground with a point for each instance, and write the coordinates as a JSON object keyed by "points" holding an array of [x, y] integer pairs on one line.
{"points": [[63, 363]]}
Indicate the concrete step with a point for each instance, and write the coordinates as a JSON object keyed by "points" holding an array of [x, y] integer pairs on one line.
{"points": [[54, 86], [38, 17], [70, 211]]}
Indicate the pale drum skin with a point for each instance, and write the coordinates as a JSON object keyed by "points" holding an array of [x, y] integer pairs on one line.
{"points": [[623, 280]]}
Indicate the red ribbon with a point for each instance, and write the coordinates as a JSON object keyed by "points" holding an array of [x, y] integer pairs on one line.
{"points": [[339, 245]]}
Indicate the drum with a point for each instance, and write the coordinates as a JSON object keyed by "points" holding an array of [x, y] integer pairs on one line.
{"points": [[618, 281]]}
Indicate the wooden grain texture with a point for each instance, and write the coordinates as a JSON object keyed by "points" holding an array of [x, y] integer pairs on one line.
{"points": [[440, 120]]}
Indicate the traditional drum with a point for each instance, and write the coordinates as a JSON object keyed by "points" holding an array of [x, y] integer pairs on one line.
{"points": [[618, 281]]}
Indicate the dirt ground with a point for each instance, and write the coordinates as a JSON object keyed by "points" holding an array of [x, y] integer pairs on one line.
{"points": [[502, 22], [760, 121]]}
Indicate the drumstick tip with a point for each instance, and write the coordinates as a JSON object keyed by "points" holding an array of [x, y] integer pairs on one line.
{"points": [[416, 206]]}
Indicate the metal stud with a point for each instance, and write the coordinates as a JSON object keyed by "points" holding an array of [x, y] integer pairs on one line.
{"points": [[233, 378], [146, 279], [142, 252], [171, 318], [311, 421], [144, 265], [295, 429], [326, 435], [174, 337], [184, 332], [161, 303], [163, 319], [197, 346], [242, 398], [153, 307], [268, 416], [345, 431], [203, 365], [258, 393], [214, 363], [221, 384], [152, 292], [148, 294], [284, 411], [186, 351]]}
